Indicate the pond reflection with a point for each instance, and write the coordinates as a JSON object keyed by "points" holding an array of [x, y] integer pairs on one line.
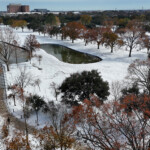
{"points": [[69, 55]]}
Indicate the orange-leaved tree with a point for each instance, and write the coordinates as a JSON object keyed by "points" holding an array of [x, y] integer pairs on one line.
{"points": [[19, 23], [31, 44], [89, 35], [115, 128], [86, 19], [61, 131], [74, 30], [98, 35], [111, 39], [17, 142]]}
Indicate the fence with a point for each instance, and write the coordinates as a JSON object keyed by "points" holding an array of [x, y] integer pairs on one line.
{"points": [[3, 85]]}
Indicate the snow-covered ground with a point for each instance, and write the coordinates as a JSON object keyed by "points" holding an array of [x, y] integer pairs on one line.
{"points": [[113, 67]]}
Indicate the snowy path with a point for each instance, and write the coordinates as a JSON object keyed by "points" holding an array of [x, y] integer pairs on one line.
{"points": [[4, 109]]}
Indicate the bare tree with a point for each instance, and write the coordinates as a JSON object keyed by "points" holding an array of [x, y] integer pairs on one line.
{"points": [[7, 38], [15, 49], [23, 80], [39, 59], [37, 83], [13, 93], [139, 72], [56, 90], [132, 35], [116, 87], [146, 43], [31, 44]]}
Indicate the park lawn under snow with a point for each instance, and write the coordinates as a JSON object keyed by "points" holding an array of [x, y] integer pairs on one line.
{"points": [[113, 67]]}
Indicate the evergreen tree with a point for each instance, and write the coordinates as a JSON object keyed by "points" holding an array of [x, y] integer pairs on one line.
{"points": [[37, 103], [80, 86]]}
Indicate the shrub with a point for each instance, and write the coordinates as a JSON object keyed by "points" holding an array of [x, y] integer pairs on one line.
{"points": [[80, 86], [5, 131], [131, 90], [37, 104]]}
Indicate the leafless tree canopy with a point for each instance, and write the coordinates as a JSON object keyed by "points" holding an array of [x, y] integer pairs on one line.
{"points": [[7, 37], [116, 89], [31, 44], [132, 35], [24, 79], [139, 72]]}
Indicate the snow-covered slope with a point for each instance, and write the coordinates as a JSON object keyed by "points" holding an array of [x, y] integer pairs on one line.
{"points": [[113, 67]]}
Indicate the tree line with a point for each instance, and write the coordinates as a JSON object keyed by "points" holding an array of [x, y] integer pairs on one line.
{"points": [[111, 33]]}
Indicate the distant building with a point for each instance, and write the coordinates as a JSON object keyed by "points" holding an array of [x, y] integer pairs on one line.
{"points": [[25, 8], [41, 10], [14, 8]]}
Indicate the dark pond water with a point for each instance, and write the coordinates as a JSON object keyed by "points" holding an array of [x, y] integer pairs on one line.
{"points": [[16, 55], [22, 56], [69, 55]]}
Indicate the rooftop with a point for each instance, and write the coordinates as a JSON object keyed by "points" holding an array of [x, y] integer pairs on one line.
{"points": [[14, 4]]}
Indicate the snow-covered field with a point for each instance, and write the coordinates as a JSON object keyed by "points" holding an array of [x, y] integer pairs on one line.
{"points": [[113, 67]]}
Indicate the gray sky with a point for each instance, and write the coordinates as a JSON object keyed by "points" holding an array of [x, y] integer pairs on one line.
{"points": [[80, 4]]}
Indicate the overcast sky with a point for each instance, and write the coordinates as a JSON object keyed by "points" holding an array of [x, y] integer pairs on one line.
{"points": [[80, 4]]}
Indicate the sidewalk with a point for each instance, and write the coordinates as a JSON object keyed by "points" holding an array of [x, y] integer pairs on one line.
{"points": [[3, 107]]}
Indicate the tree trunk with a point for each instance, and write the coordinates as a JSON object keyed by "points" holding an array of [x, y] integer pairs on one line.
{"points": [[85, 42], [148, 81], [147, 50], [39, 87], [7, 65], [111, 49], [62, 38], [72, 41], [26, 129], [37, 118], [14, 100], [130, 52], [98, 46], [30, 56], [16, 56], [56, 93], [25, 119]]}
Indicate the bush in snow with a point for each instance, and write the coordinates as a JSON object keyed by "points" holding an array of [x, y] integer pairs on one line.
{"points": [[37, 103], [80, 86]]}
